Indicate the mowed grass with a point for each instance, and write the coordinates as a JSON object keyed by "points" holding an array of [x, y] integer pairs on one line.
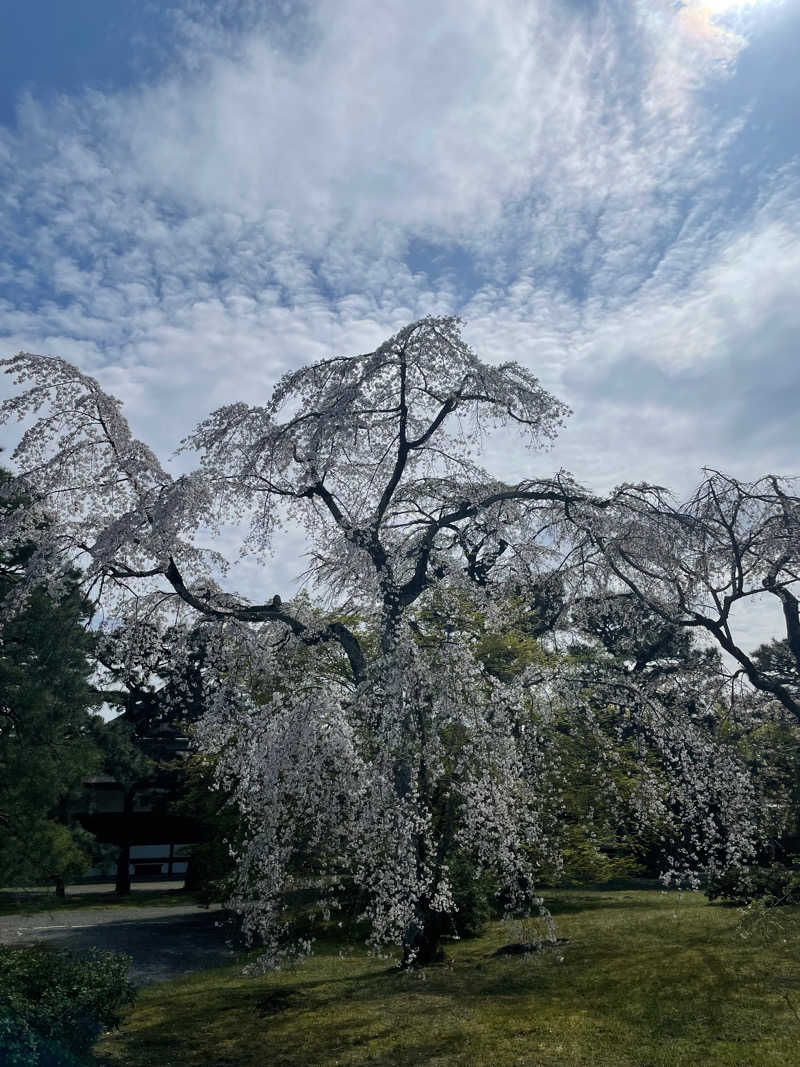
{"points": [[646, 979], [22, 902]]}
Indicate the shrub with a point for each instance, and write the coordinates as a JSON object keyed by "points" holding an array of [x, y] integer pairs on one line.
{"points": [[586, 860], [18, 1044], [774, 884], [54, 1004], [210, 872], [474, 896]]}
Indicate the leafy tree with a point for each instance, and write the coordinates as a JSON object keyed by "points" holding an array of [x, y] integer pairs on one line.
{"points": [[616, 636], [212, 862], [124, 760], [769, 739], [159, 693], [691, 563], [412, 752], [776, 662], [46, 726]]}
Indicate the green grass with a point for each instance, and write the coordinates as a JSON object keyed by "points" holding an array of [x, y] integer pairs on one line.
{"points": [[20, 902], [646, 980]]}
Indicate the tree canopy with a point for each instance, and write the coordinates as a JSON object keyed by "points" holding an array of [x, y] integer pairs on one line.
{"points": [[691, 563], [389, 744]]}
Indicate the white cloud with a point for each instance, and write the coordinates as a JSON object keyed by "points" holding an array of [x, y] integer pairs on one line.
{"points": [[190, 240]]}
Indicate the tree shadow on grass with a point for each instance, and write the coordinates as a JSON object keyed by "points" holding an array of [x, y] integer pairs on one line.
{"points": [[623, 995], [572, 901], [686, 998]]}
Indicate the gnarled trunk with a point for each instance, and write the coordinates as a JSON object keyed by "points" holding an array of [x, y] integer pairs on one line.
{"points": [[422, 943]]}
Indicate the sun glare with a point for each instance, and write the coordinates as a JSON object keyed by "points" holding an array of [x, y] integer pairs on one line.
{"points": [[717, 7]]}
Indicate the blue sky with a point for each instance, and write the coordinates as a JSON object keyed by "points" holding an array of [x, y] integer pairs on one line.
{"points": [[198, 197]]}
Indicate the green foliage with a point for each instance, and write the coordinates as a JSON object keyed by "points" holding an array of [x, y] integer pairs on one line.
{"points": [[596, 845], [46, 730], [775, 884], [18, 1043], [504, 652], [211, 865], [776, 661], [54, 1005], [475, 896], [47, 746], [587, 860], [57, 851], [123, 759], [774, 749]]}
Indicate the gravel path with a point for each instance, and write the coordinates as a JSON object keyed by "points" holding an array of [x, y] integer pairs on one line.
{"points": [[163, 942]]}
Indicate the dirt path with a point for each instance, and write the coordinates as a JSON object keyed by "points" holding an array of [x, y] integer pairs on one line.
{"points": [[163, 942]]}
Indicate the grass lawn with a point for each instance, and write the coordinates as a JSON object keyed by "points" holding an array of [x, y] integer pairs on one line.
{"points": [[22, 902], [646, 979]]}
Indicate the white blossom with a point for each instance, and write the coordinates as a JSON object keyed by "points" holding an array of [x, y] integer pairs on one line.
{"points": [[352, 736]]}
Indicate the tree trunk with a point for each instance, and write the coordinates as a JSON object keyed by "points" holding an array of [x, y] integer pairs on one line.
{"points": [[123, 881], [61, 890], [422, 943]]}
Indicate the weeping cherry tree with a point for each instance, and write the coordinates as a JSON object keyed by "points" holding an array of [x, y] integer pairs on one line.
{"points": [[345, 734]]}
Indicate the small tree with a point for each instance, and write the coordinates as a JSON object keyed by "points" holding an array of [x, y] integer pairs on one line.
{"points": [[407, 753], [131, 768], [159, 693]]}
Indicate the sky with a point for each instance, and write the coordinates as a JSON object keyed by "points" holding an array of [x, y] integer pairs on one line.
{"points": [[196, 197]]}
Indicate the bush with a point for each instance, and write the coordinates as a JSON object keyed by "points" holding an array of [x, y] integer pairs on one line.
{"points": [[210, 872], [18, 1044], [775, 884], [474, 896], [587, 861], [54, 1004]]}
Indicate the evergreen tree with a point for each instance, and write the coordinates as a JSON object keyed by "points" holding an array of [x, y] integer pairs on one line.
{"points": [[46, 728]]}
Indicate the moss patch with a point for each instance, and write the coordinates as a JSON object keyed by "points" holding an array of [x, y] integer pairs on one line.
{"points": [[646, 980]]}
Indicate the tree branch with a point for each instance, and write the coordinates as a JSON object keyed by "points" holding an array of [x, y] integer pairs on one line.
{"points": [[273, 612]]}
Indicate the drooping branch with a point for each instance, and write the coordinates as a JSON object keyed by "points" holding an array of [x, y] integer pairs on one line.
{"points": [[554, 493], [374, 456], [274, 612], [691, 563]]}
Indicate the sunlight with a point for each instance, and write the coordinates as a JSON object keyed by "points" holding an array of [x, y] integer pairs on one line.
{"points": [[719, 7]]}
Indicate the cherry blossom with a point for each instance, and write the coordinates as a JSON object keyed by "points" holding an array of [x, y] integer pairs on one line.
{"points": [[360, 736]]}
